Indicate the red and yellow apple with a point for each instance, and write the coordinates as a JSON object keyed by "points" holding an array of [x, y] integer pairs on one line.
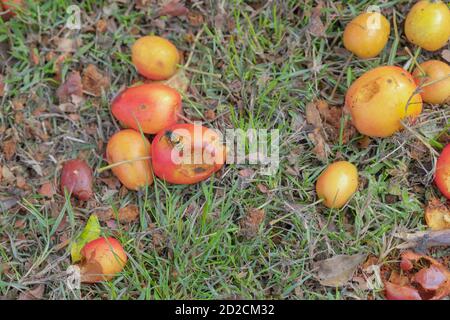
{"points": [[381, 98], [434, 76], [150, 107], [128, 153], [442, 174], [102, 259], [187, 153], [76, 178]]}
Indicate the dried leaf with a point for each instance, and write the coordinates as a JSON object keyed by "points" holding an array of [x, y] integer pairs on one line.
{"points": [[437, 215], [246, 173], [94, 82], [9, 148], [446, 55], [33, 294], [321, 148], [174, 8], [251, 223], [316, 26], [47, 190], [313, 115], [91, 231], [128, 214], [337, 271], [431, 279], [179, 81], [71, 88]]}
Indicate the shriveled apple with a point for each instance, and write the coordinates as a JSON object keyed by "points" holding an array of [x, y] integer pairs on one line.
{"points": [[187, 153], [102, 259], [76, 178], [128, 153], [150, 107]]}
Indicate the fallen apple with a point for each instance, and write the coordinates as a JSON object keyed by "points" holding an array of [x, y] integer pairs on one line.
{"points": [[150, 107], [428, 24], [434, 76], [380, 99], [102, 259], [337, 184], [187, 153], [155, 58], [442, 173], [128, 153], [367, 34], [76, 178]]}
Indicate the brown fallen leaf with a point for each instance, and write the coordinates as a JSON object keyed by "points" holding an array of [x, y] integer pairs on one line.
{"points": [[437, 215], [126, 214], [33, 294], [251, 223], [446, 55], [9, 148], [94, 82], [246, 173], [195, 18], [424, 239], [316, 26], [337, 271], [313, 115], [179, 82], [173, 8], [47, 190], [321, 148], [71, 89]]}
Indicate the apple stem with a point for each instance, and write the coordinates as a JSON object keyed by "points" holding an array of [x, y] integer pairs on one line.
{"points": [[121, 163]]}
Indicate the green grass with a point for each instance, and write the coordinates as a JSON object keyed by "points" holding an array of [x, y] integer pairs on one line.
{"points": [[258, 70]]}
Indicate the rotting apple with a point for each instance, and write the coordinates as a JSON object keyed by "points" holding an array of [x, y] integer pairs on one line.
{"points": [[434, 78], [187, 153], [337, 184], [367, 34], [428, 24], [102, 259], [381, 98], [128, 153], [76, 178], [150, 107], [442, 173], [155, 58]]}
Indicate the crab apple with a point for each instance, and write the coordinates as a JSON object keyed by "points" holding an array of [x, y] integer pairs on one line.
{"points": [[187, 153], [150, 107], [128, 152], [76, 178], [155, 58], [380, 99]]}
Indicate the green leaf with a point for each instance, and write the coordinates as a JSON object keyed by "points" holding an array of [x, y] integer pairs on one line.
{"points": [[91, 232]]}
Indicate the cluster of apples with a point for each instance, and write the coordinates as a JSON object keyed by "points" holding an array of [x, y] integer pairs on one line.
{"points": [[145, 109], [154, 109], [383, 97]]}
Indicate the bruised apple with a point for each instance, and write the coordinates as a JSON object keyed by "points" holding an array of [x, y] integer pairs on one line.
{"points": [[428, 24], [150, 107], [381, 98], [367, 34], [187, 153], [155, 58], [442, 175], [128, 153], [337, 184], [102, 259], [76, 178], [437, 215], [434, 76]]}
